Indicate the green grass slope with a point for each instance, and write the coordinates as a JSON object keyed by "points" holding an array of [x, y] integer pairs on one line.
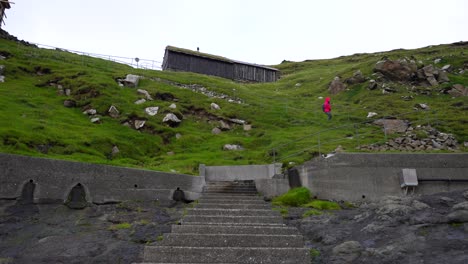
{"points": [[286, 118]]}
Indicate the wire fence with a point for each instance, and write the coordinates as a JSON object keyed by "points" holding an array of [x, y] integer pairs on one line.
{"points": [[138, 63], [357, 132]]}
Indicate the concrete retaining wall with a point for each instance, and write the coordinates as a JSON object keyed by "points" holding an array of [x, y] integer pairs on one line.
{"points": [[357, 177], [54, 179], [239, 173]]}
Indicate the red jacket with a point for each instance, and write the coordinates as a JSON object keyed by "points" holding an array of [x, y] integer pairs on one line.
{"points": [[326, 105]]}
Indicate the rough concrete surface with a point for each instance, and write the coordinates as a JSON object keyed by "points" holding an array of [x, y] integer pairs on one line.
{"points": [[53, 233]]}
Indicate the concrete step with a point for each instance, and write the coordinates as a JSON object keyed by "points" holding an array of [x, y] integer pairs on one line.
{"points": [[230, 196], [230, 183], [229, 201], [232, 240], [232, 192], [233, 206], [171, 254], [248, 188], [231, 212], [235, 229], [214, 219]]}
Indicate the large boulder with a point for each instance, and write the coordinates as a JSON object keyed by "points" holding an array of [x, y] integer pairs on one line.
{"points": [[401, 70], [336, 86]]}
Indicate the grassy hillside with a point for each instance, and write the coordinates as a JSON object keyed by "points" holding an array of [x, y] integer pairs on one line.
{"points": [[288, 125]]}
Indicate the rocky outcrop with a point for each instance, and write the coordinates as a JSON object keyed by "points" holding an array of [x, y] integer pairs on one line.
{"points": [[456, 90], [421, 138], [336, 86]]}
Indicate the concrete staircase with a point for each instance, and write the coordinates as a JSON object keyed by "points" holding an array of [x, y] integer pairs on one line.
{"points": [[230, 224]]}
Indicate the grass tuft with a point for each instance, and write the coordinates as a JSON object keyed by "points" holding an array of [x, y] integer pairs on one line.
{"points": [[323, 205], [294, 197]]}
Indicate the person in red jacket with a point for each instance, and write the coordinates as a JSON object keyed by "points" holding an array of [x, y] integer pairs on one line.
{"points": [[326, 107]]}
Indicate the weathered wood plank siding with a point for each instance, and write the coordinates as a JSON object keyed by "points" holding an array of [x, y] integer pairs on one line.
{"points": [[253, 73], [185, 60]]}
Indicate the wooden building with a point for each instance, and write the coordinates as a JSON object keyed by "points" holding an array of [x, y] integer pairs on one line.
{"points": [[4, 4], [177, 59]]}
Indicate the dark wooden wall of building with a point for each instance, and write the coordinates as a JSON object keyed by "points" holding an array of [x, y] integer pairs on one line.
{"points": [[178, 61], [184, 62]]}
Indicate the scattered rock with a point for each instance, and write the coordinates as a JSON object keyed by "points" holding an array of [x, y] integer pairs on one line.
{"points": [[216, 131], [2, 69], [215, 106], [237, 121], [232, 147], [178, 135], [139, 123], [298, 84], [447, 67], [2, 79], [145, 93], [115, 151], [95, 120], [130, 80], [152, 111], [412, 141], [438, 60], [173, 106], [224, 126], [113, 112], [443, 77], [458, 90], [247, 127], [422, 106], [357, 78], [170, 153], [140, 101], [67, 91], [69, 103], [172, 120], [90, 111], [372, 85], [336, 86], [371, 114]]}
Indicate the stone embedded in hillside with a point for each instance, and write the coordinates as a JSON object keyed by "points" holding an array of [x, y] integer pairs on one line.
{"points": [[429, 70], [336, 86], [130, 80], [145, 93], [172, 120], [432, 81], [152, 111], [443, 77], [401, 70], [447, 67], [2, 79], [90, 111], [139, 123], [95, 120], [67, 92], [371, 114], [298, 84], [113, 112], [372, 85], [232, 147], [216, 131], [438, 60], [458, 90], [357, 78], [69, 103], [173, 106], [215, 106], [140, 101], [178, 136], [422, 106], [115, 150], [223, 125], [2, 69], [392, 126], [237, 121], [247, 127]]}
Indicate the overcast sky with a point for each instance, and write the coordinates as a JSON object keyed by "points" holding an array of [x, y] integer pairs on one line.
{"points": [[256, 31]]}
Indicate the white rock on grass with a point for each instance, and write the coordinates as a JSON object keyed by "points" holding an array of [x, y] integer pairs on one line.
{"points": [[141, 101], [173, 106], [145, 93], [152, 111], [215, 106], [371, 114]]}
